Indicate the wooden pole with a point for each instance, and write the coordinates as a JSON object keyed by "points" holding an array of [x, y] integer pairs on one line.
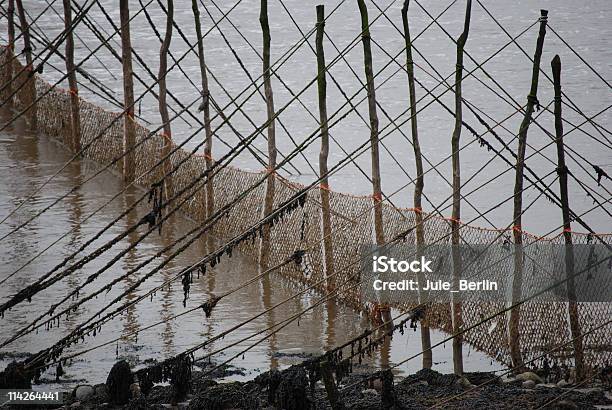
{"points": [[567, 229], [75, 117], [326, 225], [420, 182], [30, 89], [367, 58], [210, 194], [457, 319], [330, 386], [264, 246], [129, 127], [376, 188], [163, 106], [517, 283]]}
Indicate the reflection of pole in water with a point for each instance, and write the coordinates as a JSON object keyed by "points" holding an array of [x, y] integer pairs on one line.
{"points": [[206, 286], [331, 313], [266, 298], [131, 259], [76, 202], [167, 237], [385, 350]]}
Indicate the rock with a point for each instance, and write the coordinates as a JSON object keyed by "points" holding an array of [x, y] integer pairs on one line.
{"points": [[433, 378], [529, 376], [291, 392], [101, 392], [137, 403], [83, 392], [572, 376], [14, 376], [118, 382], [135, 390], [562, 383], [370, 392], [224, 396], [75, 405], [464, 382], [566, 405], [529, 384]]}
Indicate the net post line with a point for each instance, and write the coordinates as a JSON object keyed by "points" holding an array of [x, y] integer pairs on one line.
{"points": [[178, 275], [400, 189], [397, 126], [223, 334], [352, 106], [479, 65], [392, 121]]}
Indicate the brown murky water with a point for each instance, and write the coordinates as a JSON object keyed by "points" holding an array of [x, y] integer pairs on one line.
{"points": [[27, 160]]}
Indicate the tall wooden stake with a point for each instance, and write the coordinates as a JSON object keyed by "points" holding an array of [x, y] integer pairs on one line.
{"points": [[420, 182], [376, 188], [517, 283], [129, 127], [367, 59], [163, 106], [326, 225], [210, 194], [567, 229], [75, 117], [330, 386], [264, 246], [30, 89], [456, 215]]}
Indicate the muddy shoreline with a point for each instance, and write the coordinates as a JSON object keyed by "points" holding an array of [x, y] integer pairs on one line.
{"points": [[207, 387]]}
